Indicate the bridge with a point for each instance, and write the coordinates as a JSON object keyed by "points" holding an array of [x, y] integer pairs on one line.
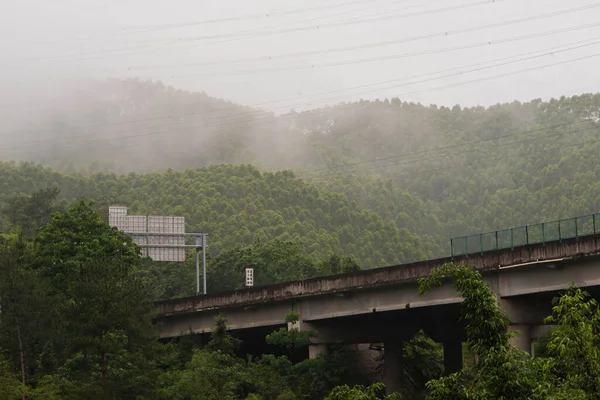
{"points": [[383, 305]]}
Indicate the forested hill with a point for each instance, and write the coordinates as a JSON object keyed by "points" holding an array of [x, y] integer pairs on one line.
{"points": [[236, 205], [436, 172]]}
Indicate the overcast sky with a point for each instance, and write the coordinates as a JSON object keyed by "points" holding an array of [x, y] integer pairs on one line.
{"points": [[279, 54]]}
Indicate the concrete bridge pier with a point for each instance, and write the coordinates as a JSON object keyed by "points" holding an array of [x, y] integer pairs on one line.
{"points": [[526, 319], [317, 350], [453, 357], [319, 346], [393, 372], [364, 361], [522, 340], [449, 332]]}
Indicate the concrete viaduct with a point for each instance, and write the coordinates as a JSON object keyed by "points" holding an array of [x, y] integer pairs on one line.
{"points": [[382, 305]]}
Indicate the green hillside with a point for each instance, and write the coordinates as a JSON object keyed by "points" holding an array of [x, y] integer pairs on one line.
{"points": [[471, 169], [236, 205], [385, 181]]}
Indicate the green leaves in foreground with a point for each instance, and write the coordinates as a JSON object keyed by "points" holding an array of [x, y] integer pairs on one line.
{"points": [[372, 392], [574, 341], [293, 338], [572, 370]]}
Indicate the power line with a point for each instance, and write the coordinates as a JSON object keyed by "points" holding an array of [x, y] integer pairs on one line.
{"points": [[378, 17], [432, 35], [553, 50], [426, 52], [85, 138], [472, 70], [245, 17], [372, 45], [506, 74], [368, 60], [248, 34], [405, 40], [269, 117]]}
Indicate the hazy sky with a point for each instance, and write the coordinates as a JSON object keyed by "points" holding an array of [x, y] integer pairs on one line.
{"points": [[302, 54]]}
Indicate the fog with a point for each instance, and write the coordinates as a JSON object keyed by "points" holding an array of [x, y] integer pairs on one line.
{"points": [[251, 51], [275, 56]]}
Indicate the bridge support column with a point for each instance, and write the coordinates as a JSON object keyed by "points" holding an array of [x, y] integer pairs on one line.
{"points": [[393, 373], [522, 339], [317, 350], [364, 361], [525, 315], [453, 358]]}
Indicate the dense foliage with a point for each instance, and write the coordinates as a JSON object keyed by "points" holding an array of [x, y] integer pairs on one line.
{"points": [[76, 323], [571, 369], [235, 205]]}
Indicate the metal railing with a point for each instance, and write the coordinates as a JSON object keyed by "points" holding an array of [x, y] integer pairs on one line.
{"points": [[529, 234]]}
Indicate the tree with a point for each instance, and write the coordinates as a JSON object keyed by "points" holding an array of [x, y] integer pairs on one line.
{"points": [[373, 392], [220, 339], [573, 344], [274, 261], [293, 338], [25, 308], [423, 361], [14, 209], [13, 299], [338, 265], [39, 208], [10, 387], [213, 373], [29, 212], [108, 334], [500, 366], [502, 371], [76, 237], [102, 341]]}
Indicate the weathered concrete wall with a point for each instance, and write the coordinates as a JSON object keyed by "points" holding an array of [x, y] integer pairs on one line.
{"points": [[245, 317], [543, 278]]}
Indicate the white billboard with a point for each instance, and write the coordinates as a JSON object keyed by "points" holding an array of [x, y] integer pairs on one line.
{"points": [[156, 234], [164, 224], [117, 217], [117, 210], [139, 225]]}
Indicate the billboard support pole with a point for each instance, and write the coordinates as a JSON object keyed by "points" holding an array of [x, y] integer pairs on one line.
{"points": [[204, 260], [197, 270], [170, 234]]}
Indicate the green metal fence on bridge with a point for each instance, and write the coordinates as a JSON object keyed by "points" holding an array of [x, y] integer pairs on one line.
{"points": [[529, 234]]}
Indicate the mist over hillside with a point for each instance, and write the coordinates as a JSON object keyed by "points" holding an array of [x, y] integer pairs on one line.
{"points": [[438, 172], [138, 126]]}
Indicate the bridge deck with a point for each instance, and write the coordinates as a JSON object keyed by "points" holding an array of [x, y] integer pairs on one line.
{"points": [[378, 277]]}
